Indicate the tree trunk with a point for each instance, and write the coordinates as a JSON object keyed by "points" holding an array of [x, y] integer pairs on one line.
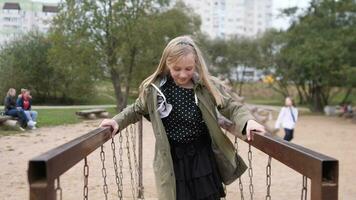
{"points": [[241, 82], [115, 79], [316, 103], [281, 88], [129, 75], [348, 92], [300, 95]]}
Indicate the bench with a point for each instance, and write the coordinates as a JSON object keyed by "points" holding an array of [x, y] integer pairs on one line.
{"points": [[93, 113], [8, 121]]}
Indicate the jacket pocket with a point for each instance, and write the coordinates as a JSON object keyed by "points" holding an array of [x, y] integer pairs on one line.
{"points": [[229, 172]]}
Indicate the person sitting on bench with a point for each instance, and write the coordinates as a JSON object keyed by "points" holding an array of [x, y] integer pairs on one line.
{"points": [[24, 101], [12, 110]]}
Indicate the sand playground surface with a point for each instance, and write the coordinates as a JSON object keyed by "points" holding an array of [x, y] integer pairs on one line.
{"points": [[332, 136]]}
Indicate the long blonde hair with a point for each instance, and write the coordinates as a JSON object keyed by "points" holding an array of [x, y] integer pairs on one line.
{"points": [[175, 49], [10, 91]]}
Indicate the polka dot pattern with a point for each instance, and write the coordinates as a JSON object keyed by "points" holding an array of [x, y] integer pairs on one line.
{"points": [[185, 123]]}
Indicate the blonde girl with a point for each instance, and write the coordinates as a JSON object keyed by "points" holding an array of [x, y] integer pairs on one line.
{"points": [[193, 158]]}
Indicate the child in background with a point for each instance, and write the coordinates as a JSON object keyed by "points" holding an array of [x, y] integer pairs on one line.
{"points": [[287, 119]]}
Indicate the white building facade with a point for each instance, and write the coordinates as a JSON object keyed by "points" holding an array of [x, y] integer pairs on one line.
{"points": [[224, 18], [20, 16]]}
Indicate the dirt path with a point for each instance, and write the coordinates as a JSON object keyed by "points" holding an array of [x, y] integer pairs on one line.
{"points": [[332, 136]]}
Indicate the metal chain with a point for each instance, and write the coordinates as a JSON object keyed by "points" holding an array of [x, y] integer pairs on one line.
{"points": [[137, 170], [269, 178], [139, 162], [121, 163], [133, 188], [58, 189], [86, 175], [134, 150], [250, 171], [304, 188], [236, 145], [103, 171], [241, 189], [117, 178]]}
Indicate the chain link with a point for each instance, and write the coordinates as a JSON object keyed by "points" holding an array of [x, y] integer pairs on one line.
{"points": [[133, 188], [236, 145], [139, 162], [121, 163], [304, 188], [58, 189], [250, 171], [269, 178], [86, 175], [103, 172], [241, 189], [117, 178], [134, 151]]}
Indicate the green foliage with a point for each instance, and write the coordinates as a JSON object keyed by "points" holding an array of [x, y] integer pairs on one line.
{"points": [[28, 62], [119, 41], [23, 64], [317, 52], [224, 55]]}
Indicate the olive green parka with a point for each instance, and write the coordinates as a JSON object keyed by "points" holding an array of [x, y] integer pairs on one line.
{"points": [[230, 165]]}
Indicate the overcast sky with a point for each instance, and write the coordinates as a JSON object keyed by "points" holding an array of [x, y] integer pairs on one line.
{"points": [[281, 4]]}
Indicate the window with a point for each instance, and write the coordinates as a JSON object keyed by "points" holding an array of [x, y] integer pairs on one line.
{"points": [[11, 6], [248, 73]]}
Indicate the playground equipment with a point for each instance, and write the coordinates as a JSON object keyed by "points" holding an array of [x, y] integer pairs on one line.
{"points": [[45, 170]]}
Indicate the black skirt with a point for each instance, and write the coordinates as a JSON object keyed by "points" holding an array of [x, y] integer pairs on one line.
{"points": [[196, 172]]}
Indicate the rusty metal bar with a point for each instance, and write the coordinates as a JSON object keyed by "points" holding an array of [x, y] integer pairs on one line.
{"points": [[45, 168], [321, 169]]}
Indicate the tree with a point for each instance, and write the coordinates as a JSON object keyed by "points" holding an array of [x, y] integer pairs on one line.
{"points": [[225, 55], [23, 64], [269, 60], [26, 63], [122, 35], [317, 47]]}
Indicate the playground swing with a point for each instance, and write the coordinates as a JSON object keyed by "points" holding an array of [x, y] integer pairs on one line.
{"points": [[135, 173]]}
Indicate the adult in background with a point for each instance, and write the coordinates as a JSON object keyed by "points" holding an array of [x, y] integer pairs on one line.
{"points": [[11, 110], [287, 119], [24, 101]]}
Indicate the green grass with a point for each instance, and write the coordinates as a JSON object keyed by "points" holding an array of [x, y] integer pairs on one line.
{"points": [[261, 93], [271, 102], [54, 117]]}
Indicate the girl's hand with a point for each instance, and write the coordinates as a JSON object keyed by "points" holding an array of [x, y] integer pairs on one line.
{"points": [[252, 128], [112, 124]]}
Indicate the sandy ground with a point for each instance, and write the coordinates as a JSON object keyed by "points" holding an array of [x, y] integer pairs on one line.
{"points": [[332, 136]]}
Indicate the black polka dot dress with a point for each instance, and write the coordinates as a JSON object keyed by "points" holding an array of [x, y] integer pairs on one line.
{"points": [[197, 176]]}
